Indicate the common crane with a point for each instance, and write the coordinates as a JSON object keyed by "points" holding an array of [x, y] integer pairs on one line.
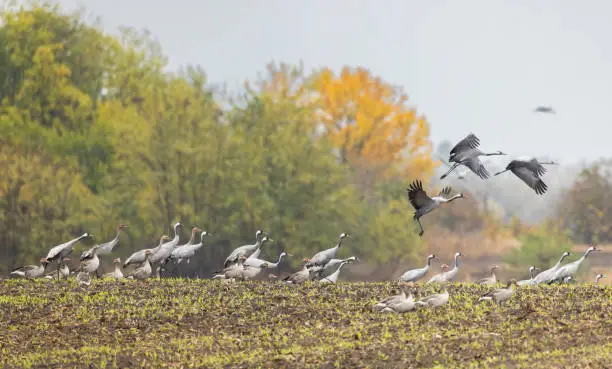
{"points": [[139, 256], [333, 278], [549, 274], [416, 274], [424, 204], [185, 252], [501, 294], [321, 258], [31, 271], [529, 170], [569, 269], [107, 247], [492, 279], [544, 109], [466, 153], [449, 275], [530, 281], [245, 250]]}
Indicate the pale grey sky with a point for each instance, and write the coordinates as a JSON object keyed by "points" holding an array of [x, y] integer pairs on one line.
{"points": [[472, 65]]}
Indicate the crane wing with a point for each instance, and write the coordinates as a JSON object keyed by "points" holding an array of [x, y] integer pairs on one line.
{"points": [[477, 167], [445, 192], [533, 165], [469, 142], [417, 196], [531, 179]]}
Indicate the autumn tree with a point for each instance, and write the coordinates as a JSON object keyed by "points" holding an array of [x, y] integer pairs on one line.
{"points": [[587, 206], [368, 120]]}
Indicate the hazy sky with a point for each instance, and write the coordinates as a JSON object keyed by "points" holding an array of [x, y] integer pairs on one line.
{"points": [[469, 65]]}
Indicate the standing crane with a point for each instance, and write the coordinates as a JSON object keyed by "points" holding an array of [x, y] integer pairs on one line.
{"points": [[245, 250], [320, 259], [569, 269], [416, 274], [549, 274]]}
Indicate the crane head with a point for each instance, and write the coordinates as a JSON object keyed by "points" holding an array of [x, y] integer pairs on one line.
{"points": [[432, 256], [177, 225], [117, 260], [344, 235], [122, 226]]}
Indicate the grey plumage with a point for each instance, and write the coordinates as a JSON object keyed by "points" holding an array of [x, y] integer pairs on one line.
{"points": [[466, 153], [424, 204]]}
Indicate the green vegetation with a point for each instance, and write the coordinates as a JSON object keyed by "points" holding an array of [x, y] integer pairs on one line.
{"points": [[202, 323], [94, 132]]}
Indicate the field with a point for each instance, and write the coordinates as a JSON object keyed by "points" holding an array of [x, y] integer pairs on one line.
{"points": [[178, 323]]}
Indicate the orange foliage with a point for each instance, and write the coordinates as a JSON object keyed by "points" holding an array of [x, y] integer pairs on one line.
{"points": [[367, 119]]}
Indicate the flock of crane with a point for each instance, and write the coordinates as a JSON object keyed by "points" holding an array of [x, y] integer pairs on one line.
{"points": [[244, 263]]}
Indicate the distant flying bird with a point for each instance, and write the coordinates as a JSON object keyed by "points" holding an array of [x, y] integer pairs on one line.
{"points": [[466, 153], [424, 204], [529, 170], [544, 109]]}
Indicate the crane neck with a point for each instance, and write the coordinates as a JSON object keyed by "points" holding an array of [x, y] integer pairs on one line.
{"points": [[456, 262], [428, 263]]}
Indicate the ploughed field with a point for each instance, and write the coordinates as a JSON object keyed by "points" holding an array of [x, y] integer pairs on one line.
{"points": [[178, 323]]}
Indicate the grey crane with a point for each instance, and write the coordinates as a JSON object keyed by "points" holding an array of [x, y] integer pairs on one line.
{"points": [[531, 280], [138, 257], [321, 258], [107, 247], [529, 170], [61, 251], [416, 274], [544, 109], [185, 252], [144, 270], [501, 294], [492, 279], [31, 271], [462, 175], [449, 275], [380, 305], [91, 263], [64, 270], [333, 264], [424, 204], [116, 273], [569, 269], [435, 300], [438, 277], [166, 249], [401, 305], [245, 250], [549, 274], [333, 278], [300, 276], [249, 262], [466, 153], [599, 276]]}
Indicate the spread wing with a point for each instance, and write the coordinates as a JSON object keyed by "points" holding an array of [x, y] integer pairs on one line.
{"points": [[477, 167], [470, 142], [531, 179], [417, 196], [533, 165], [445, 192]]}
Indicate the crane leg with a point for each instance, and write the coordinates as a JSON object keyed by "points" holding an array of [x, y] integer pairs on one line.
{"points": [[455, 165], [420, 226]]}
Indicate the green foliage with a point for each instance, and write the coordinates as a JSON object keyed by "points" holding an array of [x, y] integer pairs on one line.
{"points": [[94, 132], [540, 247]]}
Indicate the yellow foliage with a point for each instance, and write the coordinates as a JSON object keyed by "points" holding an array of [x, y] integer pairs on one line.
{"points": [[367, 118]]}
